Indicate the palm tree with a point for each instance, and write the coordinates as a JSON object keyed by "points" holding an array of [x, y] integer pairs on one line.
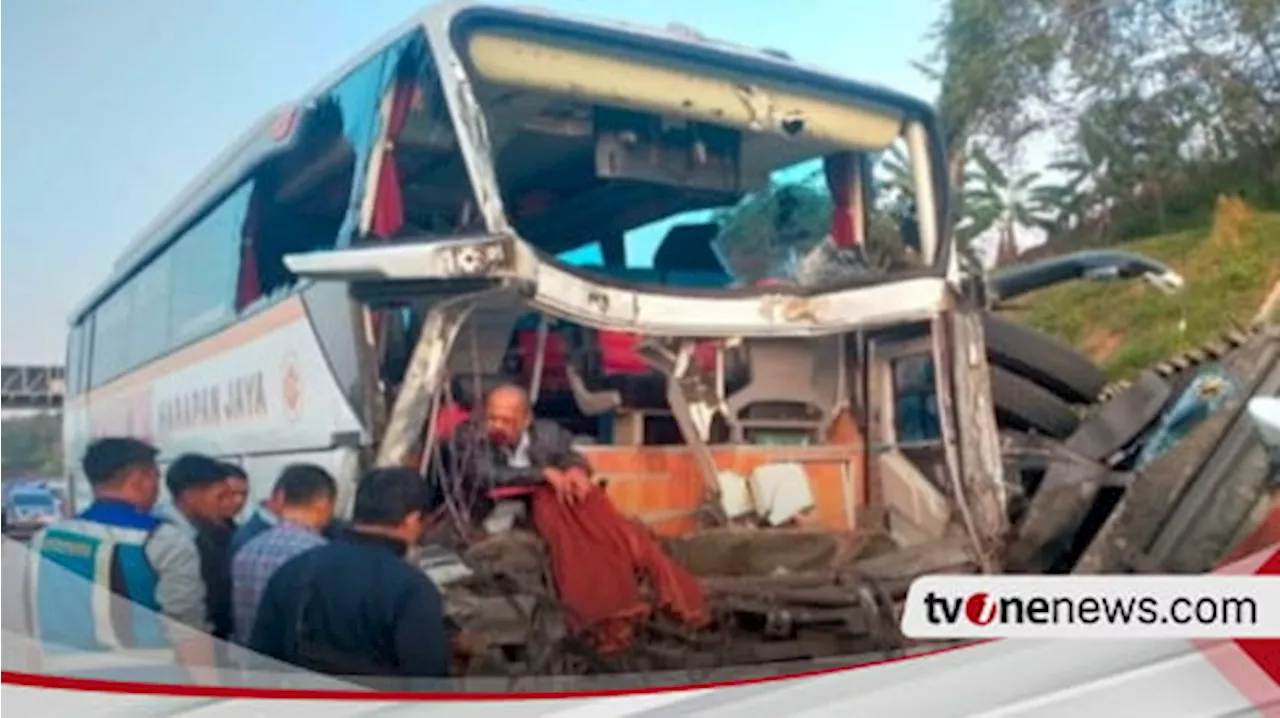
{"points": [[979, 203], [1067, 202], [1008, 203]]}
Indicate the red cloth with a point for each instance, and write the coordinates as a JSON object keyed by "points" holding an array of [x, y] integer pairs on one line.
{"points": [[388, 205], [838, 169], [598, 558], [248, 286], [554, 362], [450, 418], [618, 354]]}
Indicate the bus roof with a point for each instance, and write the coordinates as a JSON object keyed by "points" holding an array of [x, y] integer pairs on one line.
{"points": [[257, 144]]}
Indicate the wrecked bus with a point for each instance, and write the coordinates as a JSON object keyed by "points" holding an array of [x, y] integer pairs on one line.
{"points": [[802, 409]]}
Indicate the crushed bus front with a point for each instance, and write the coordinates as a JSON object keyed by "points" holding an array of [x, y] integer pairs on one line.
{"points": [[732, 276]]}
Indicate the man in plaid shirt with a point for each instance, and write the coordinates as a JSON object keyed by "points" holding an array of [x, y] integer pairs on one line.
{"points": [[306, 496]]}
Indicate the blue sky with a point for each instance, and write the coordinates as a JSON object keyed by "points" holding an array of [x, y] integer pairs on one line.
{"points": [[114, 107]]}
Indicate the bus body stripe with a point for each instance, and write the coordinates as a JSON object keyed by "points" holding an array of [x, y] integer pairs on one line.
{"points": [[224, 341]]}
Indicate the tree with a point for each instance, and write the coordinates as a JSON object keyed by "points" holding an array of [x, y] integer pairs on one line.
{"points": [[1006, 203], [1069, 202], [1168, 102], [32, 446], [1169, 93], [987, 199], [990, 58]]}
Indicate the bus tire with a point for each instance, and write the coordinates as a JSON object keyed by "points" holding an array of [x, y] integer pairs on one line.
{"points": [[1026, 406], [1042, 359]]}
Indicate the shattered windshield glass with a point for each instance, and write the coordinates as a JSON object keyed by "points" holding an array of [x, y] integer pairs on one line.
{"points": [[782, 234], [786, 232]]}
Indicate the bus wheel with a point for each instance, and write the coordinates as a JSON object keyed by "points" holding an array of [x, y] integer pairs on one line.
{"points": [[1036, 356], [1026, 406]]}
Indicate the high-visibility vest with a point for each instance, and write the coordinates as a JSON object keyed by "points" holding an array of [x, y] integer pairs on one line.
{"points": [[93, 592]]}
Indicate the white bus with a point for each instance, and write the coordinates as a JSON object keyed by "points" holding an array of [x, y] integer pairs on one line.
{"points": [[493, 192]]}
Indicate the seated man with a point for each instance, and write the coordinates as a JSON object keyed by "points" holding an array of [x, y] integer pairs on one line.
{"points": [[509, 454], [510, 462]]}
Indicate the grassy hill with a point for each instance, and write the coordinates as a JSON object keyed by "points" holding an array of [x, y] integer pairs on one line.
{"points": [[1229, 269]]}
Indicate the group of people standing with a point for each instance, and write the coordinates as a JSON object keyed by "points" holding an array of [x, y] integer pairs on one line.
{"points": [[183, 584]]}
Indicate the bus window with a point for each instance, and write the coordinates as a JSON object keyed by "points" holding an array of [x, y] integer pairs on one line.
{"points": [[360, 98], [916, 397], [149, 324], [204, 264], [299, 202], [319, 191], [312, 197], [75, 353], [111, 356], [421, 188]]}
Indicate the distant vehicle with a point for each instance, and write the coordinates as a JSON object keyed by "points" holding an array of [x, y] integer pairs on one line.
{"points": [[60, 497], [29, 509]]}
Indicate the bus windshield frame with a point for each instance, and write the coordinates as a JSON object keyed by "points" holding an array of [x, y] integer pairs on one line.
{"points": [[484, 43]]}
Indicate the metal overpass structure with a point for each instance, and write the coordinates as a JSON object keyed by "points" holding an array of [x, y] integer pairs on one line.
{"points": [[30, 387]]}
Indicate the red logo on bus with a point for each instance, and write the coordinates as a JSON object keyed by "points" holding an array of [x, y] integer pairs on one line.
{"points": [[291, 385]]}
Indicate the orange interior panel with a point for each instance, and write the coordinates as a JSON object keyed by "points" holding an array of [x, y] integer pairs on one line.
{"points": [[661, 484]]}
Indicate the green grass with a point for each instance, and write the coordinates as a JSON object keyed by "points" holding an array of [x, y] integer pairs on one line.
{"points": [[1126, 326]]}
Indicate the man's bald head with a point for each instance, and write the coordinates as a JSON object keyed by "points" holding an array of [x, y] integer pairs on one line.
{"points": [[507, 413], [507, 394]]}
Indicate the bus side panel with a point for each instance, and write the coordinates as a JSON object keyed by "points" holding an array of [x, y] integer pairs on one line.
{"points": [[334, 320], [261, 387], [342, 463]]}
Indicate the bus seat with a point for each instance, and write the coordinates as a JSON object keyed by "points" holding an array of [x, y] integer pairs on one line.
{"points": [[790, 371], [618, 353], [622, 376], [687, 248], [685, 258], [591, 401], [608, 375], [624, 371], [556, 358], [452, 415]]}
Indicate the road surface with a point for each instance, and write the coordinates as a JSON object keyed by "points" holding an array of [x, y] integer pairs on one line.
{"points": [[12, 593]]}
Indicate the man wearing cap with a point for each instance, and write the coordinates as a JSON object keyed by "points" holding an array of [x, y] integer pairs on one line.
{"points": [[155, 611]]}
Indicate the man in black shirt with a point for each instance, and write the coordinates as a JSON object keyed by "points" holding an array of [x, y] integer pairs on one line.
{"points": [[355, 607], [237, 494]]}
